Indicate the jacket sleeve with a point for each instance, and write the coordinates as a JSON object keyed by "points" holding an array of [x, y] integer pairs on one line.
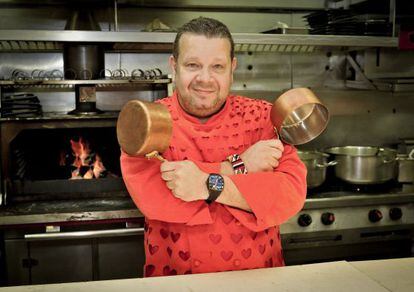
{"points": [[150, 194], [275, 196]]}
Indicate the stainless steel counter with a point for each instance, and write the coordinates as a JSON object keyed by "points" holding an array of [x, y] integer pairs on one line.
{"points": [[120, 208], [333, 276], [68, 211]]}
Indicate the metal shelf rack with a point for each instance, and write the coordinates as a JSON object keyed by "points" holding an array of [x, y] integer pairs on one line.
{"points": [[42, 40]]}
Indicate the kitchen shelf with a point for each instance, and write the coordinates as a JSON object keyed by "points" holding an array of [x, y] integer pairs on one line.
{"points": [[70, 83], [35, 40], [382, 85], [56, 116]]}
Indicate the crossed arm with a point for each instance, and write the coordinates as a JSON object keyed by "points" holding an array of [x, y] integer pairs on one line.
{"points": [[270, 196], [262, 156]]}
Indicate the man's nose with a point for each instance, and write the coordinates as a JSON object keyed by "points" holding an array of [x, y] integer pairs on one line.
{"points": [[204, 75]]}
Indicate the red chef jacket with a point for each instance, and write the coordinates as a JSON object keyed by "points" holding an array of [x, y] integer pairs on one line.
{"points": [[194, 237]]}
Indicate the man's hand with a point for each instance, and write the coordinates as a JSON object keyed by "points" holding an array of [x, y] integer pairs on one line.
{"points": [[263, 155], [186, 181]]}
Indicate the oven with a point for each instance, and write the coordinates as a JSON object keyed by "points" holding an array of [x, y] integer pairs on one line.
{"points": [[65, 214], [73, 252], [349, 222]]}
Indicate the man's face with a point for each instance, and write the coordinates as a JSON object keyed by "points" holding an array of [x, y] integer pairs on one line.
{"points": [[203, 73]]}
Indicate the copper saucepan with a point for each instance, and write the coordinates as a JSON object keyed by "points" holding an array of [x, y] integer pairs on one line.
{"points": [[298, 116], [144, 128]]}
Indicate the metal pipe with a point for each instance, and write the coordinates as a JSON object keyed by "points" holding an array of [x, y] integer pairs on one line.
{"points": [[84, 234], [393, 15], [116, 15]]}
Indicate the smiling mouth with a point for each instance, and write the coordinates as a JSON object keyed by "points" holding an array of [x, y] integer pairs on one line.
{"points": [[205, 91]]}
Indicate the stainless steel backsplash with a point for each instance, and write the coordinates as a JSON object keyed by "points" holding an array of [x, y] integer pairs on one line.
{"points": [[358, 117]]}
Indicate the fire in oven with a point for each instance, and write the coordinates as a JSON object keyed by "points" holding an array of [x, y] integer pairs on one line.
{"points": [[63, 163]]}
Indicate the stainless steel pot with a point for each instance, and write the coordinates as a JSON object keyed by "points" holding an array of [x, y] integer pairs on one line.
{"points": [[364, 164], [316, 164], [406, 167]]}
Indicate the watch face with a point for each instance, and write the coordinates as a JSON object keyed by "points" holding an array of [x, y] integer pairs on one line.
{"points": [[215, 182]]}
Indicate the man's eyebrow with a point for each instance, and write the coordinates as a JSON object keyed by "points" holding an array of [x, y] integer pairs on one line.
{"points": [[197, 59], [191, 59]]}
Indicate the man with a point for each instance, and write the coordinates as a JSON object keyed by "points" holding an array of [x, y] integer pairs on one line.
{"points": [[217, 204]]}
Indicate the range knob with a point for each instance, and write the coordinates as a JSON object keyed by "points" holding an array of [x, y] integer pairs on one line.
{"points": [[304, 220], [374, 215], [395, 213], [328, 218]]}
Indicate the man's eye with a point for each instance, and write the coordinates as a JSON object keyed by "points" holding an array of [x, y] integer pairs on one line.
{"points": [[192, 65], [218, 67]]}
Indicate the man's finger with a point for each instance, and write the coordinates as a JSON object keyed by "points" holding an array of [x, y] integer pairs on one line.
{"points": [[276, 154], [170, 185], [168, 166], [275, 164], [167, 175], [275, 143]]}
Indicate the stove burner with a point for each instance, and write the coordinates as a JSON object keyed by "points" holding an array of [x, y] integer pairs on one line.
{"points": [[371, 189], [341, 188]]}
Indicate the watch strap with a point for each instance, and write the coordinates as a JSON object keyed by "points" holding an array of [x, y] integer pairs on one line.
{"points": [[237, 164], [212, 196]]}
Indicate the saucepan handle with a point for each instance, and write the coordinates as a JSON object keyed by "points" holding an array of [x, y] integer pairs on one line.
{"points": [[155, 154], [277, 133], [324, 165], [385, 161]]}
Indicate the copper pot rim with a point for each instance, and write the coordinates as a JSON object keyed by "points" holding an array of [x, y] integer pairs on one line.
{"points": [[284, 105]]}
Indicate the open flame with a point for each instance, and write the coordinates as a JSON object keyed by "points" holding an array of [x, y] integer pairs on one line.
{"points": [[86, 164]]}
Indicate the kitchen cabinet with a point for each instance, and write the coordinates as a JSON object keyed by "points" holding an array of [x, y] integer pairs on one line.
{"points": [[15, 256], [59, 260], [120, 257], [2, 261]]}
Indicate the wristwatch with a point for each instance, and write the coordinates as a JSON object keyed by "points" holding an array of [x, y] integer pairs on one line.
{"points": [[215, 185]]}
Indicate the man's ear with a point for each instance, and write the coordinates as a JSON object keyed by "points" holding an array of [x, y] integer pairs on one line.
{"points": [[233, 64], [173, 64], [233, 67]]}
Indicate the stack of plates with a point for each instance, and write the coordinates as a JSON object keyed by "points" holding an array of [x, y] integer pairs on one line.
{"points": [[21, 105], [348, 22]]}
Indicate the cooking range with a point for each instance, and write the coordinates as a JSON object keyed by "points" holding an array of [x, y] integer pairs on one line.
{"points": [[63, 202], [60, 160], [339, 220], [342, 221]]}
